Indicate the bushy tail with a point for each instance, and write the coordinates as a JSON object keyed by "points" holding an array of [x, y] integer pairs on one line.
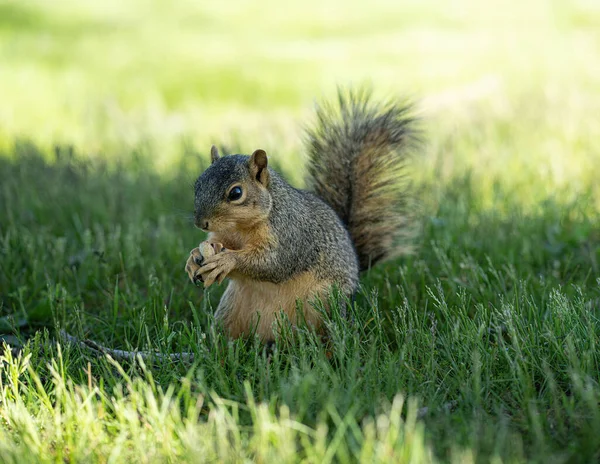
{"points": [[357, 151]]}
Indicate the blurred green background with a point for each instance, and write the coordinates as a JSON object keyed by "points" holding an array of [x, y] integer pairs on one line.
{"points": [[107, 112], [509, 90]]}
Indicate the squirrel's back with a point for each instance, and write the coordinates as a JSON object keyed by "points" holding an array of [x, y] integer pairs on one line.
{"points": [[357, 154], [311, 235]]}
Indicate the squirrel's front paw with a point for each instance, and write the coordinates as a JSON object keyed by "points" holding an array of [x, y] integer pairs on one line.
{"points": [[198, 258], [217, 267]]}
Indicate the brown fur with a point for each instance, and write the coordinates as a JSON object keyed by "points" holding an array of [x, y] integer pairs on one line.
{"points": [[240, 227], [249, 305], [247, 238], [245, 242], [373, 224], [358, 150]]}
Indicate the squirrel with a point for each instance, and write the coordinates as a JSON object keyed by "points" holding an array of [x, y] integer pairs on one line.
{"points": [[279, 245]]}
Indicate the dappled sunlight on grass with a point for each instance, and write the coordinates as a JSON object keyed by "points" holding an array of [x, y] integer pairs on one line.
{"points": [[481, 345], [112, 76]]}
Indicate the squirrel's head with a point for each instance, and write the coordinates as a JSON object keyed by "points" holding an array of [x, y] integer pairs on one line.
{"points": [[233, 192]]}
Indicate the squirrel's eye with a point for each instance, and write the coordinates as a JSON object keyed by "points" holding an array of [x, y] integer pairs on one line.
{"points": [[235, 193]]}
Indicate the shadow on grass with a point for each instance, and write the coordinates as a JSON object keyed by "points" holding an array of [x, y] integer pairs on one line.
{"points": [[497, 311], [88, 229]]}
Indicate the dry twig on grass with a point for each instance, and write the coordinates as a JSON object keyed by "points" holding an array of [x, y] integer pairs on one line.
{"points": [[123, 355]]}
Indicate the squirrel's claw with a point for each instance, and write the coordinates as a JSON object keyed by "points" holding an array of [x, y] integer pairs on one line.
{"points": [[199, 257], [217, 267], [192, 266], [210, 279]]}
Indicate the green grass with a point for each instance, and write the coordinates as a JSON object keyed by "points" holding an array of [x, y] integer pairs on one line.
{"points": [[482, 346]]}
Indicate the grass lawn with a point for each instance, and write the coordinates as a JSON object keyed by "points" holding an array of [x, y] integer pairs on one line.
{"points": [[481, 346]]}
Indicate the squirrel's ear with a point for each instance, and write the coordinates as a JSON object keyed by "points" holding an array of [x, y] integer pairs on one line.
{"points": [[258, 166], [214, 154]]}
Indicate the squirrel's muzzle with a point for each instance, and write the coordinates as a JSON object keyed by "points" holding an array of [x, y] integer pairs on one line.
{"points": [[201, 224], [200, 221]]}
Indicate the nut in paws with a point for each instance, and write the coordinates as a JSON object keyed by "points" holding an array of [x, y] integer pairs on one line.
{"points": [[197, 259]]}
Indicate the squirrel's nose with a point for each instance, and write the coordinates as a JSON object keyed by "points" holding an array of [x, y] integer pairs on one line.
{"points": [[201, 224]]}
